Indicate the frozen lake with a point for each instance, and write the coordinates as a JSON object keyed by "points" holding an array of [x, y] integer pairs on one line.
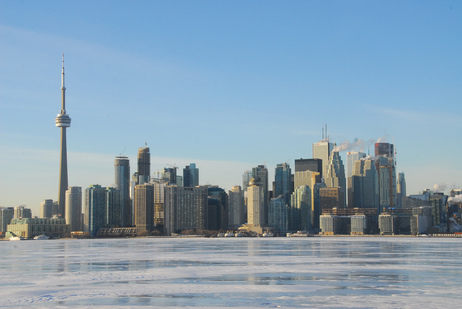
{"points": [[334, 272]]}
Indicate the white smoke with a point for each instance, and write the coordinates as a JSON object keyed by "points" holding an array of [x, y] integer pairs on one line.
{"points": [[357, 144], [455, 199], [439, 187], [382, 139]]}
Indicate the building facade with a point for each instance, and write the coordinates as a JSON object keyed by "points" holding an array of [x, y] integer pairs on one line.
{"points": [[191, 175], [74, 208], [185, 208], [122, 183]]}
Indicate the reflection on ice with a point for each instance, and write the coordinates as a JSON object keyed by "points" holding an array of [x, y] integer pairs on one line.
{"points": [[242, 272]]}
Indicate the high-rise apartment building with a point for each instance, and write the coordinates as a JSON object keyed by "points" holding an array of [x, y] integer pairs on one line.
{"points": [[46, 209], [74, 208], [95, 209], [159, 188], [63, 121], [185, 208], [237, 212], [144, 207], [113, 208], [191, 175], [260, 176], [255, 204], [144, 165], [122, 183]]}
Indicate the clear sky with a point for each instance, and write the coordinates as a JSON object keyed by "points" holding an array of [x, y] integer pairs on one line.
{"points": [[227, 85]]}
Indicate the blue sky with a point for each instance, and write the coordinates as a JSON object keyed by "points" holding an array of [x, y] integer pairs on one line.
{"points": [[227, 85]]}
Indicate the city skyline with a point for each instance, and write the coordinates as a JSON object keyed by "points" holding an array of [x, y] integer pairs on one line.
{"points": [[250, 90]]}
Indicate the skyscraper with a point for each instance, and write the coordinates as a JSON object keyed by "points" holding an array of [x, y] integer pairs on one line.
{"points": [[260, 175], [185, 208], [113, 207], [283, 182], [6, 214], [190, 175], [365, 186], [322, 150], [74, 208], [387, 175], [255, 205], [352, 157], [95, 209], [237, 215], [144, 165], [335, 176], [144, 207], [122, 183], [63, 121]]}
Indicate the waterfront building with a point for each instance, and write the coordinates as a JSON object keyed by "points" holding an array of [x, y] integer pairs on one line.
{"points": [[95, 209], [28, 228], [191, 175], [278, 215], [74, 208], [388, 224], [144, 165], [122, 183], [22, 212], [236, 207], [144, 208], [63, 121], [46, 209], [185, 208], [6, 214]]}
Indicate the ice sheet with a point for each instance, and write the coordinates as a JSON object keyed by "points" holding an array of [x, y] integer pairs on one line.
{"points": [[233, 272]]}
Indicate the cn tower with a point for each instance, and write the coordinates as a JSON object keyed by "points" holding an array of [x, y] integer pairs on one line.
{"points": [[63, 121]]}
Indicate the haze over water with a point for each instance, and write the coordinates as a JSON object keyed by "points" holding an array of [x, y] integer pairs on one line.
{"points": [[227, 272]]}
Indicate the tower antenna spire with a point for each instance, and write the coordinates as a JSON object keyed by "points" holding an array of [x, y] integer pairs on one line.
{"points": [[63, 91]]}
